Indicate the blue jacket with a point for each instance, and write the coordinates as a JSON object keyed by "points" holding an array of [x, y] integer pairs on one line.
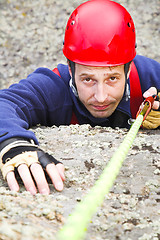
{"points": [[47, 99]]}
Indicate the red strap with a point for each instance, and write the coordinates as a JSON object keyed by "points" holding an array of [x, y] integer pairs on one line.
{"points": [[74, 119], [135, 91], [55, 70]]}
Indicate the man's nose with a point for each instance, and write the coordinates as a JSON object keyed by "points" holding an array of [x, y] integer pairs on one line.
{"points": [[101, 93]]}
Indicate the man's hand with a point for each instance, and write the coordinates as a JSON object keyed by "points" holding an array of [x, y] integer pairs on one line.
{"points": [[55, 172], [151, 91], [152, 121], [30, 162]]}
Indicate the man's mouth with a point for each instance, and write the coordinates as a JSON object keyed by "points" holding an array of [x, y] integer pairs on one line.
{"points": [[100, 107]]}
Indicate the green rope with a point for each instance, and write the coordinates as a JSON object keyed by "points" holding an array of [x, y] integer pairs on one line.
{"points": [[78, 221]]}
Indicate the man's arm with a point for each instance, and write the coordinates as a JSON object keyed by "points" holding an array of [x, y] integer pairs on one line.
{"points": [[22, 106]]}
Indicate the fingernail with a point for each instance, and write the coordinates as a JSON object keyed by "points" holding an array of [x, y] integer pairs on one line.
{"points": [[63, 176], [59, 186], [32, 191], [147, 94], [44, 191], [15, 189]]}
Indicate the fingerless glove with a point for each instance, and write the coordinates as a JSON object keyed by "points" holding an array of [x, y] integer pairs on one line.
{"points": [[17, 151]]}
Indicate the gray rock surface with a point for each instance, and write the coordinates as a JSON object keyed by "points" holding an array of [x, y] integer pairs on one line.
{"points": [[31, 35]]}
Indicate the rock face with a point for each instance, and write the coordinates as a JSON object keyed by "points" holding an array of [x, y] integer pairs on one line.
{"points": [[31, 35], [129, 211]]}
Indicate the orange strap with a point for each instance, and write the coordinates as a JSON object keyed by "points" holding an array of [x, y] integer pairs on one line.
{"points": [[136, 97], [55, 70], [74, 119]]}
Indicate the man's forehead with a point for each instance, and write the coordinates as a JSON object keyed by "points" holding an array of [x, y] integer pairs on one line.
{"points": [[91, 69]]}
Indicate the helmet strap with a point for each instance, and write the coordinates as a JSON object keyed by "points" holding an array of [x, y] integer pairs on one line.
{"points": [[74, 90], [72, 80], [126, 90]]}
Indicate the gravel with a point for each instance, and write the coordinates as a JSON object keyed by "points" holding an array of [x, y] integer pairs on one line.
{"points": [[31, 35]]}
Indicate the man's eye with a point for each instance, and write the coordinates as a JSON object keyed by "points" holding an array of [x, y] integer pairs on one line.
{"points": [[112, 78], [88, 79]]}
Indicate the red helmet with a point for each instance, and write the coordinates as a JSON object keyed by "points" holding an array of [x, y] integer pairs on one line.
{"points": [[100, 33]]}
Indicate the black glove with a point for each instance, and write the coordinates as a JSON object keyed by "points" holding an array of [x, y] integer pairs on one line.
{"points": [[16, 151]]}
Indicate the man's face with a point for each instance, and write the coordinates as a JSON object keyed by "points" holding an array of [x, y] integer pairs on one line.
{"points": [[100, 89]]}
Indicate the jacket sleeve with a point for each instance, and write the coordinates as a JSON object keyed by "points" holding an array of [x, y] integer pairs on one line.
{"points": [[35, 100]]}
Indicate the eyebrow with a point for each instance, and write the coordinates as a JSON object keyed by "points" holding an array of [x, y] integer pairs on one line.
{"points": [[106, 74], [86, 74]]}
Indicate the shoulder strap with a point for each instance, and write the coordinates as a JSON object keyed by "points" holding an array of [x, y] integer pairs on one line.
{"points": [[74, 119], [136, 97], [55, 70]]}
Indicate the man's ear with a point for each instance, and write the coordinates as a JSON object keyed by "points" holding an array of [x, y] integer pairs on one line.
{"points": [[129, 70], [69, 68]]}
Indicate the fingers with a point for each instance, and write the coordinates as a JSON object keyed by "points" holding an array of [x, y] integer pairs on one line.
{"points": [[151, 91], [38, 175], [40, 178], [27, 178], [12, 182], [60, 169], [56, 173], [156, 105]]}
